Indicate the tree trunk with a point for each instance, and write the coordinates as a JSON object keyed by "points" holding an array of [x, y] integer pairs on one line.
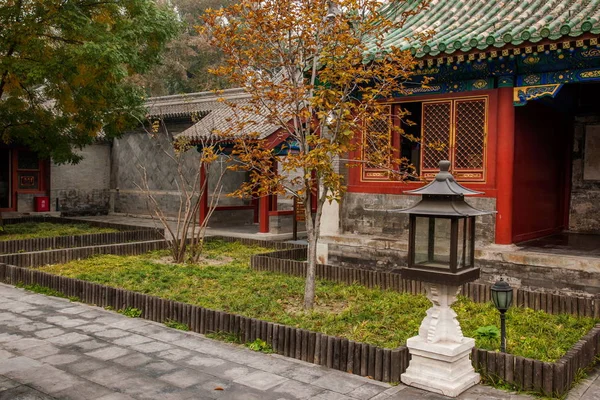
{"points": [[309, 289], [313, 230]]}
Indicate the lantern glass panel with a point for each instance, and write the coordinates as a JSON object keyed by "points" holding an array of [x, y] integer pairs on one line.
{"points": [[469, 241], [465, 242], [500, 300], [509, 299], [421, 240], [432, 242], [461, 249]]}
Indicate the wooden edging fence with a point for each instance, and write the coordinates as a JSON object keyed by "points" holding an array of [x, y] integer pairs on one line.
{"points": [[66, 220], [59, 256], [337, 353], [144, 244], [286, 262], [551, 379], [71, 241]]}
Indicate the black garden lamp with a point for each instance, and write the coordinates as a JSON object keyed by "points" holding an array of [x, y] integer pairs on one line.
{"points": [[441, 244], [502, 295]]}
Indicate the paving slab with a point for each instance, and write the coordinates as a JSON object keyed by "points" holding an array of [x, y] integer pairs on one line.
{"points": [[588, 388], [79, 352], [23, 392]]}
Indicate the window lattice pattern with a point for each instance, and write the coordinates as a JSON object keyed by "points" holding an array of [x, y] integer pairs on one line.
{"points": [[470, 134], [436, 133], [377, 141]]}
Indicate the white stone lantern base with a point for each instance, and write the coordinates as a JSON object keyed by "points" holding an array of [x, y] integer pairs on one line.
{"points": [[440, 353]]}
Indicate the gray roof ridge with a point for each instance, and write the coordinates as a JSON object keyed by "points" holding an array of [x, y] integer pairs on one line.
{"points": [[195, 98], [208, 93]]}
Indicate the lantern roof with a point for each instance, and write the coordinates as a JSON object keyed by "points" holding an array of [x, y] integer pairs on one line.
{"points": [[444, 206], [444, 197], [444, 184], [501, 286]]}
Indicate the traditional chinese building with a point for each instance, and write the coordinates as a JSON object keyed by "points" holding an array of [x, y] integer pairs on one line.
{"points": [[514, 106], [23, 176], [108, 177]]}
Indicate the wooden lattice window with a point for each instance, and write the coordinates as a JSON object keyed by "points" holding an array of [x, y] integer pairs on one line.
{"points": [[376, 145], [437, 124], [455, 130]]}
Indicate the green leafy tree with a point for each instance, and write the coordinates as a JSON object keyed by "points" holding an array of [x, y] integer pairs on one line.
{"points": [[65, 67], [188, 57]]}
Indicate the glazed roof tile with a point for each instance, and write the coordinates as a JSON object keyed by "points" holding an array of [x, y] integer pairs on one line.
{"points": [[226, 119], [468, 25], [182, 105]]}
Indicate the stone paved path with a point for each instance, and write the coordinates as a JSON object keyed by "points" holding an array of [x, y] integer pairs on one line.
{"points": [[51, 348], [588, 388], [238, 231]]}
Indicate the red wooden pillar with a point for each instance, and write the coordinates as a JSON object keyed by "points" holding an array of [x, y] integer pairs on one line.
{"points": [[204, 197], [263, 210], [505, 166]]}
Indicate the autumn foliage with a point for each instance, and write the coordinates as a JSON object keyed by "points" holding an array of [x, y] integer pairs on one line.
{"points": [[319, 70]]}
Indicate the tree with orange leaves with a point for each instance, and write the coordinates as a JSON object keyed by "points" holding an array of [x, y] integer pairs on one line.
{"points": [[318, 69]]}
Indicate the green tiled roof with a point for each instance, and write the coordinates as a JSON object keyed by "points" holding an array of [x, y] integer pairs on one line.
{"points": [[466, 25]]}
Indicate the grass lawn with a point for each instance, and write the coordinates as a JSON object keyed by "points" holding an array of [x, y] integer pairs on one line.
{"points": [[34, 230], [224, 281]]}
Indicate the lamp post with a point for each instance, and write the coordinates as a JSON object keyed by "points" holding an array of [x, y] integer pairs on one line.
{"points": [[502, 295], [441, 248]]}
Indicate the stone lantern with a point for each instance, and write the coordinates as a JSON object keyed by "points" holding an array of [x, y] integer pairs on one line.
{"points": [[441, 254]]}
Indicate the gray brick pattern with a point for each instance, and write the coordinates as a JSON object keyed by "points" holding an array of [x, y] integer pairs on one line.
{"points": [[140, 149], [83, 188]]}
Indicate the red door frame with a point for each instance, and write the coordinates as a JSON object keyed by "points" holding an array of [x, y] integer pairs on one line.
{"points": [[11, 188], [43, 178]]}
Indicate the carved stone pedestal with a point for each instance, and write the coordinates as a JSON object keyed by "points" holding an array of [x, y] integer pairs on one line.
{"points": [[440, 353]]}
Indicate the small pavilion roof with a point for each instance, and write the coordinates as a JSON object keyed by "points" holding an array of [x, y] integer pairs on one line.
{"points": [[226, 118], [477, 25]]}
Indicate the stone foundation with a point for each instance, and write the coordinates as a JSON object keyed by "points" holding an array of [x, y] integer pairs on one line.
{"points": [[371, 214], [283, 224], [529, 270]]}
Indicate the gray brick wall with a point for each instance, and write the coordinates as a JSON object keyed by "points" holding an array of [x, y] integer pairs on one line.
{"points": [[137, 150], [83, 188]]}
